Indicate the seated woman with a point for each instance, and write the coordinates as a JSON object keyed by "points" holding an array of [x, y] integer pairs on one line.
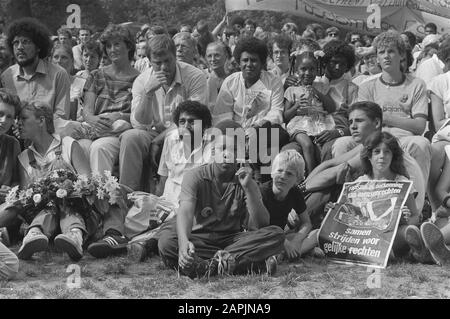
{"points": [[46, 152], [382, 159]]}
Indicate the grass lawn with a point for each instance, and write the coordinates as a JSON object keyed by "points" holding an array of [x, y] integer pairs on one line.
{"points": [[45, 277]]}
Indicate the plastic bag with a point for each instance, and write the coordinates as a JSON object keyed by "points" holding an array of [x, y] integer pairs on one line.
{"points": [[148, 212]]}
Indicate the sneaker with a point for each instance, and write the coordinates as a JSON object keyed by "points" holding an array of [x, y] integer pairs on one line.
{"points": [[33, 242], [434, 241], [415, 242], [271, 265], [108, 246], [71, 243], [139, 251], [4, 237]]}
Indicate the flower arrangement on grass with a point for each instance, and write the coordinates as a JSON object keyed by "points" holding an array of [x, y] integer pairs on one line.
{"points": [[62, 187]]}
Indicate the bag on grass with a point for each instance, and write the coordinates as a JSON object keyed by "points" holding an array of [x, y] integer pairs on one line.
{"points": [[148, 212]]}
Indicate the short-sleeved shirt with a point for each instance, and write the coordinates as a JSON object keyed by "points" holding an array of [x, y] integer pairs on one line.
{"points": [[407, 100], [50, 84], [189, 84], [214, 212], [279, 210], [342, 91], [9, 150], [440, 86], [63, 145], [113, 94], [174, 163], [248, 106]]}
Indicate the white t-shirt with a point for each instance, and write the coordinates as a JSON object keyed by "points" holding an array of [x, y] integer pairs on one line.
{"points": [[440, 86], [407, 100]]}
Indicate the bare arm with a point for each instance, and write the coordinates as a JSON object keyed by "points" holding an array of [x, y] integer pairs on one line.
{"points": [[437, 111], [185, 219], [415, 126]]}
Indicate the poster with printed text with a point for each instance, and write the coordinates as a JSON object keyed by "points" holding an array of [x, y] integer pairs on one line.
{"points": [[361, 228]]}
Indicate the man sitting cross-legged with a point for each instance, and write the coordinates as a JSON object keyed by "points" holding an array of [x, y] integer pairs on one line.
{"points": [[217, 202]]}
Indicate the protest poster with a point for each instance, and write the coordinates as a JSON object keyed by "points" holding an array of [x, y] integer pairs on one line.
{"points": [[361, 228]]}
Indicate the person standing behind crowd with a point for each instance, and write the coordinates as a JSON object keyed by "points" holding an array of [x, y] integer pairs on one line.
{"points": [[33, 78], [65, 36], [186, 48], [84, 35], [156, 93]]}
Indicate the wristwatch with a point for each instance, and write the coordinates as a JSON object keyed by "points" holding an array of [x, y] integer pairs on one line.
{"points": [[341, 132]]}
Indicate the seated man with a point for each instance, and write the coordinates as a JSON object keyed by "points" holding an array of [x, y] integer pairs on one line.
{"points": [[183, 149], [282, 198], [215, 206], [323, 182]]}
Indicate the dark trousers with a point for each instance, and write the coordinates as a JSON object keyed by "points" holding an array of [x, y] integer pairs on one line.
{"points": [[246, 247]]}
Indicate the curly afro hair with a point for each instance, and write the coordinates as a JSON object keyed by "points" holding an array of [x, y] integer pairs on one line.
{"points": [[253, 46], [33, 29], [194, 108], [339, 48]]}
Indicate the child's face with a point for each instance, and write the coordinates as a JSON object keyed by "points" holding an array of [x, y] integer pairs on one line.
{"points": [[306, 71], [381, 158], [284, 176]]}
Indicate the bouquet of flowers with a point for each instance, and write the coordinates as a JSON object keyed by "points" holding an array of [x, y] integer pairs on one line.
{"points": [[63, 188]]}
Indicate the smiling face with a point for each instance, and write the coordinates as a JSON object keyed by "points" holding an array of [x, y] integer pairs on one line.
{"points": [[389, 57], [216, 57], [25, 51], [361, 126], [117, 50], [381, 159], [306, 70], [251, 67], [7, 114]]}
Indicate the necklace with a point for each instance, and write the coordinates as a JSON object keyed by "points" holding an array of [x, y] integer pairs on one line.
{"points": [[389, 84]]}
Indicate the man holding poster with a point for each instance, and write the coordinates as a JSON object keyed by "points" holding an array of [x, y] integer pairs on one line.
{"points": [[373, 212]]}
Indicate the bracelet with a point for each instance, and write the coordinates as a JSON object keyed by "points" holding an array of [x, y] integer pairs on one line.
{"points": [[302, 187], [444, 202]]}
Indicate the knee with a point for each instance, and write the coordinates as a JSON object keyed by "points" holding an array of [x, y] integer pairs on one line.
{"points": [[165, 243]]}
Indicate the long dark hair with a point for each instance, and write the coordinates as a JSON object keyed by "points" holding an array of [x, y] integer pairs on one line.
{"points": [[397, 166]]}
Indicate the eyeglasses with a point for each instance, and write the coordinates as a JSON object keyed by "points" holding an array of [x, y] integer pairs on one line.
{"points": [[24, 42], [332, 34]]}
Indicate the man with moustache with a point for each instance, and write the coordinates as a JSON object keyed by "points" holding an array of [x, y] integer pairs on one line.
{"points": [[33, 78], [156, 94]]}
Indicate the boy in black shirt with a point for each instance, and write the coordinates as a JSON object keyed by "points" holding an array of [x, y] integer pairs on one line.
{"points": [[285, 201]]}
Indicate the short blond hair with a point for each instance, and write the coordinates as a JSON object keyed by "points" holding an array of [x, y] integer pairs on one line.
{"points": [[290, 157]]}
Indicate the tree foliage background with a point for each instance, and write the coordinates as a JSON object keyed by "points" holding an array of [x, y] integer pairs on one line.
{"points": [[98, 13]]}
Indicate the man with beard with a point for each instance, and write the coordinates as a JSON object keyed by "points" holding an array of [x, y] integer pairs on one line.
{"points": [[33, 78]]}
